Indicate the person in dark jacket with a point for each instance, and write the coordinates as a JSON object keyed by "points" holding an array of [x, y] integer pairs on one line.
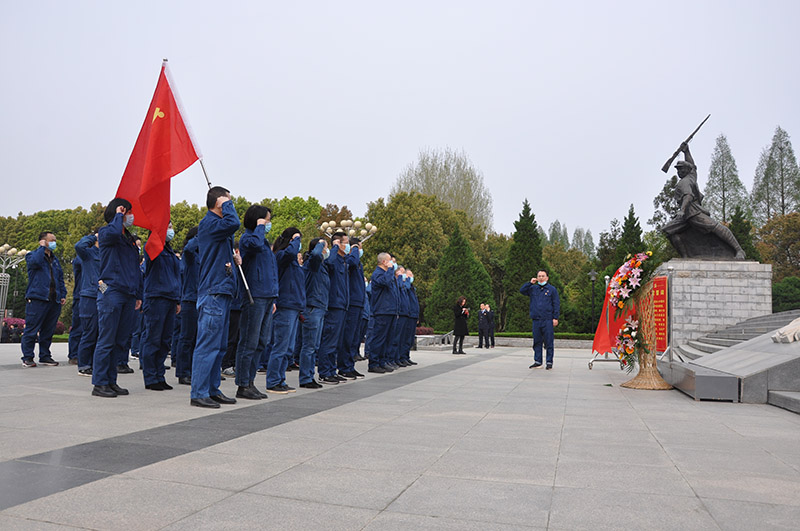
{"points": [[318, 285], [333, 328], [483, 327], [45, 295], [217, 286], [6, 336], [162, 295], [261, 271], [411, 320], [291, 301], [120, 286], [351, 338], [190, 276], [461, 314], [399, 339], [89, 252], [384, 302], [76, 329], [545, 307], [490, 315]]}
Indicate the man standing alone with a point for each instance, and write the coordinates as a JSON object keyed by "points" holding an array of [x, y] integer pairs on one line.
{"points": [[545, 308]]}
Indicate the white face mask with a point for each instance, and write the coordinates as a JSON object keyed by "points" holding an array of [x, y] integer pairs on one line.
{"points": [[127, 221]]}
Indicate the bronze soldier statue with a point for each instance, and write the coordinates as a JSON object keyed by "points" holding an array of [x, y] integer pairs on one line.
{"points": [[692, 218]]}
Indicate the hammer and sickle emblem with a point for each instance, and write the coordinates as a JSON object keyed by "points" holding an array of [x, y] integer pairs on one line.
{"points": [[158, 114]]}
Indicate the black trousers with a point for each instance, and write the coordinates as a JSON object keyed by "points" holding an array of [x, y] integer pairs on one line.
{"points": [[458, 344], [483, 337]]}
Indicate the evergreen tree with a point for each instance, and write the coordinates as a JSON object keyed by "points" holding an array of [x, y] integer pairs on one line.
{"points": [[630, 240], [776, 186], [786, 294], [524, 259], [743, 231], [558, 234], [665, 204], [724, 190], [761, 197], [460, 273]]}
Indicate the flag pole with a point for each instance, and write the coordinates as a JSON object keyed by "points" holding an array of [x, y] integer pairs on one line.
{"points": [[241, 272]]}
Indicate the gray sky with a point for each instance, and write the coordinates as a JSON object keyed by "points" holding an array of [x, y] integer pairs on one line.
{"points": [[574, 105]]}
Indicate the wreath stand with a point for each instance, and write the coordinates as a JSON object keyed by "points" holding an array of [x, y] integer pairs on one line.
{"points": [[648, 377]]}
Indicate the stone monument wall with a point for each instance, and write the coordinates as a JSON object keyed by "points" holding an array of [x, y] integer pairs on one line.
{"points": [[708, 295]]}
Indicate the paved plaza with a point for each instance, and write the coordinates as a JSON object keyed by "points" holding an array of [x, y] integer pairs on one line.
{"points": [[475, 442]]}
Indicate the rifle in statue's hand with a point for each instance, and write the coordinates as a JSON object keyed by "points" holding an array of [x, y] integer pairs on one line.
{"points": [[667, 164]]}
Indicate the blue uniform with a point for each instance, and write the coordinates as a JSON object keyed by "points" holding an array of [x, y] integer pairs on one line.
{"points": [[545, 306], [190, 276], [317, 292], [216, 288], [351, 335], [330, 347], [119, 272], [255, 327], [410, 322], [90, 267], [385, 303], [162, 291], [76, 330], [398, 340], [45, 290], [291, 301]]}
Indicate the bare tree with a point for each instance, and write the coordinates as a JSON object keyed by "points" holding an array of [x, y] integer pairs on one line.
{"points": [[450, 176]]}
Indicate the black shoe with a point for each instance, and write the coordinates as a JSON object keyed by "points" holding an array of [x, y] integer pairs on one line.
{"points": [[412, 362], [256, 391], [166, 386], [103, 391], [328, 380], [28, 363], [135, 355], [155, 387], [247, 393], [343, 377], [48, 361], [85, 372], [222, 399], [288, 389], [387, 368], [549, 366], [185, 380], [535, 365], [311, 385], [204, 402], [262, 370], [378, 369], [277, 389], [73, 361], [357, 374], [293, 367], [124, 369], [117, 389], [461, 352]]}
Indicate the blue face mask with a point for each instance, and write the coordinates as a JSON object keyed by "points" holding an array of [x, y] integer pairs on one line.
{"points": [[394, 265], [346, 248], [170, 234], [267, 227], [542, 283], [360, 253], [300, 248], [404, 276], [51, 246], [128, 221], [411, 280], [326, 253]]}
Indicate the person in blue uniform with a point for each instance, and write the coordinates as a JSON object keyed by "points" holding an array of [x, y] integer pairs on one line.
{"points": [[291, 301], [120, 286], [403, 315], [76, 329], [331, 343], [384, 301], [89, 252], [216, 288], [545, 307], [411, 320], [190, 276], [317, 285], [261, 271], [365, 316], [162, 293], [45, 295], [351, 338]]}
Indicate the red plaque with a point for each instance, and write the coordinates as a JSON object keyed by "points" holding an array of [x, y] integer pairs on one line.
{"points": [[660, 312]]}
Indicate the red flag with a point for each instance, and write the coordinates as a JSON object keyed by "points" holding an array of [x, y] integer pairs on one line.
{"points": [[607, 329], [163, 149]]}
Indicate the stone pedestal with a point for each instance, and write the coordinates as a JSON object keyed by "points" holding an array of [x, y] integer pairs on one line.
{"points": [[708, 295]]}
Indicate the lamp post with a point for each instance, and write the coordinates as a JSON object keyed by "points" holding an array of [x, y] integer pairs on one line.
{"points": [[593, 278], [9, 258]]}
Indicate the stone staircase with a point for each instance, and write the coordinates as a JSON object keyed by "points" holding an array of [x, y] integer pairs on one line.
{"points": [[738, 333], [783, 386]]}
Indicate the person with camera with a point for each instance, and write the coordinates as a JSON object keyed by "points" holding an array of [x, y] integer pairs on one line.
{"points": [[461, 313]]}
